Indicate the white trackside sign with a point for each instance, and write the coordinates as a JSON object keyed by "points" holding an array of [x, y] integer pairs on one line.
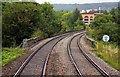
{"points": [[106, 38]]}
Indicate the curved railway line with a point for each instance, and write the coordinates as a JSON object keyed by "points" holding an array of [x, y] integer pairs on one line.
{"points": [[27, 65], [78, 53], [36, 63]]}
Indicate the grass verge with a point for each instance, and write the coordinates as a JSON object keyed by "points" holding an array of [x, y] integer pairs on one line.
{"points": [[109, 53], [9, 54]]}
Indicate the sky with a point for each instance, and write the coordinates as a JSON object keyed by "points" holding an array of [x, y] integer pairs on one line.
{"points": [[74, 1]]}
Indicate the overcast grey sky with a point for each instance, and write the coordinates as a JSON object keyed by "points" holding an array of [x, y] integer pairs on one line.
{"points": [[75, 1]]}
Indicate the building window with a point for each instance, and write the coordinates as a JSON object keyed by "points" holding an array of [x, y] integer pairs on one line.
{"points": [[91, 19], [86, 20], [86, 23], [86, 17]]}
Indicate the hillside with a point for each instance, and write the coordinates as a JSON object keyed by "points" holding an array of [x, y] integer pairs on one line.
{"points": [[71, 7]]}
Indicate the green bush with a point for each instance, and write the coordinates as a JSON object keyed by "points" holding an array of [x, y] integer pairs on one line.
{"points": [[9, 54], [37, 33]]}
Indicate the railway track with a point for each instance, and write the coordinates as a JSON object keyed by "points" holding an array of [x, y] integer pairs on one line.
{"points": [[83, 64], [71, 57], [35, 64]]}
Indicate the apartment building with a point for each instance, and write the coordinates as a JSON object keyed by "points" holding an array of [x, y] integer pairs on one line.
{"points": [[89, 15]]}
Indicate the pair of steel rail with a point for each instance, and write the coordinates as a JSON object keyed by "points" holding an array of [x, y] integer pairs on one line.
{"points": [[103, 73]]}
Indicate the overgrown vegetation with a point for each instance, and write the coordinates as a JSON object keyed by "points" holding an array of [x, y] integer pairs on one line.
{"points": [[107, 24], [9, 54], [109, 53]]}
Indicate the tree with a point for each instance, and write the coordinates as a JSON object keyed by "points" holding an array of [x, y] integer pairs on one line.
{"points": [[50, 23], [103, 25], [66, 21], [115, 14], [29, 19], [72, 21], [102, 18], [79, 24], [76, 14], [116, 17], [18, 22]]}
